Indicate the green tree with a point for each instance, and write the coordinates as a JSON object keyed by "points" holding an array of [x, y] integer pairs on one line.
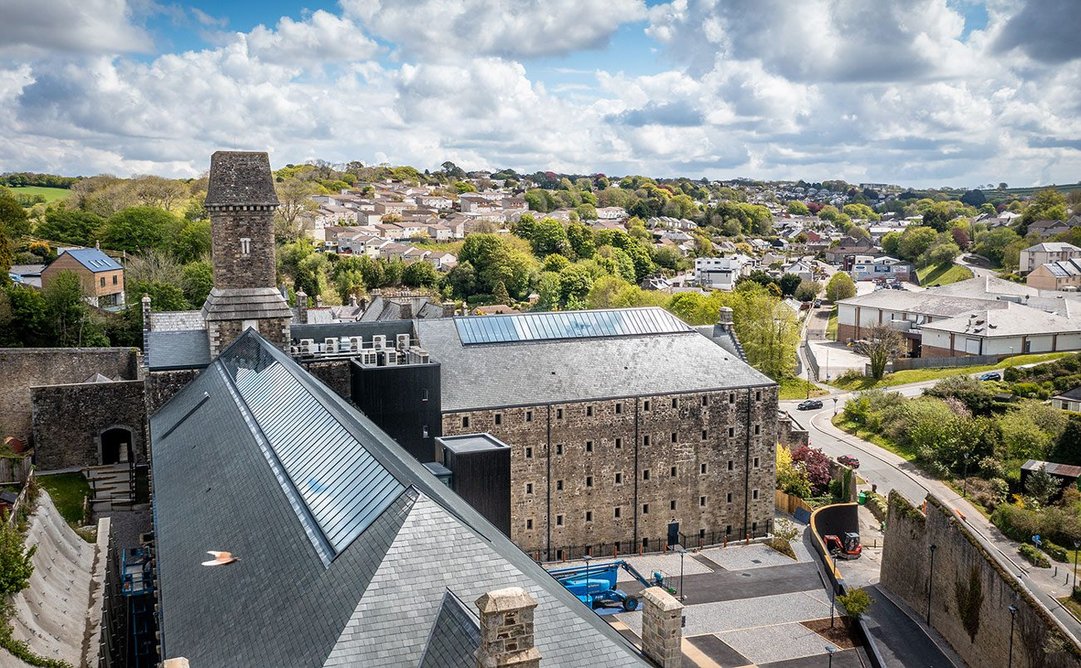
{"points": [[192, 242], [67, 315], [139, 229], [574, 286], [880, 345], [798, 208], [70, 226], [16, 561], [13, 218], [1047, 204], [915, 241], [861, 211], [789, 283], [856, 602], [420, 275], [462, 280], [807, 291], [500, 294], [23, 321], [840, 286], [581, 240], [295, 207], [196, 281], [1042, 486], [992, 244], [549, 237]]}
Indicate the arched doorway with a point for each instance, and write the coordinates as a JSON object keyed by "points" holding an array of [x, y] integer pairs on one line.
{"points": [[115, 445]]}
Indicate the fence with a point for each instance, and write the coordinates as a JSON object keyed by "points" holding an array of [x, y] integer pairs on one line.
{"points": [[812, 362], [22, 499], [904, 363], [652, 545], [14, 469], [793, 505]]}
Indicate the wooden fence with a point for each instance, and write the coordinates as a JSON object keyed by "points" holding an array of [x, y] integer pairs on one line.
{"points": [[21, 500], [14, 469]]}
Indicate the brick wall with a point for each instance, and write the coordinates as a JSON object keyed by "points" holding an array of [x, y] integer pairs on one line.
{"points": [[25, 367], [970, 592], [573, 464], [68, 421], [932, 351]]}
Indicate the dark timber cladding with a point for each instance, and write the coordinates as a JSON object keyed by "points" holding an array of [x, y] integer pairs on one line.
{"points": [[480, 464], [404, 400]]}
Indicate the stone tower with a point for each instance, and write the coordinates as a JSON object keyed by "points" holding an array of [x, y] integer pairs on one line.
{"points": [[241, 201]]}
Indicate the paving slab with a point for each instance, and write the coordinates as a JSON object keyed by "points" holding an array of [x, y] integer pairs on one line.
{"points": [[743, 613], [717, 650], [777, 642], [849, 658], [743, 557], [727, 585]]}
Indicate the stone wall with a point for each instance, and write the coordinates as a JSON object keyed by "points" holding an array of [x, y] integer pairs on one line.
{"points": [[693, 459], [335, 374], [26, 367], [68, 421], [790, 433], [970, 591], [221, 333], [161, 386]]}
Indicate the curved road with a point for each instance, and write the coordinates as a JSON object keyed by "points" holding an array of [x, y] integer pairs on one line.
{"points": [[889, 471]]}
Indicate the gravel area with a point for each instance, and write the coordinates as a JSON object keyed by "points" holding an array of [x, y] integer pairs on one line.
{"points": [[745, 613], [746, 557], [779, 642]]}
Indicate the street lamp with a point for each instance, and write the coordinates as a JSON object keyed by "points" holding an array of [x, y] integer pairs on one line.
{"points": [[589, 597], [682, 552], [833, 602], [1076, 547], [964, 491], [832, 650], [930, 582], [1013, 617]]}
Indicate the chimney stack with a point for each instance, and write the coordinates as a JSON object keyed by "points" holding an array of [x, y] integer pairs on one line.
{"points": [[318, 301], [302, 307], [506, 630], [662, 627], [353, 301], [407, 310], [724, 318]]}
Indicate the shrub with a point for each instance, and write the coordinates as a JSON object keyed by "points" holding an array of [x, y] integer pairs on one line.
{"points": [[1057, 553], [878, 505], [15, 564], [856, 602], [782, 546], [1030, 391], [1034, 556]]}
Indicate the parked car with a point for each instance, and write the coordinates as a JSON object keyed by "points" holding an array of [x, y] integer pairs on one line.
{"points": [[991, 375], [809, 405], [818, 303], [849, 461]]}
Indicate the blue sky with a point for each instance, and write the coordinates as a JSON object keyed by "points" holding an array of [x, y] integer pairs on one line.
{"points": [[915, 92]]}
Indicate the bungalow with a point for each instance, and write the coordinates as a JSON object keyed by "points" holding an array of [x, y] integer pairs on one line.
{"points": [[1069, 400], [101, 277], [883, 268], [1048, 228], [443, 261]]}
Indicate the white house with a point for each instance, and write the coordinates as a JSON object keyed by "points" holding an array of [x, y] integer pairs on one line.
{"points": [[718, 272]]}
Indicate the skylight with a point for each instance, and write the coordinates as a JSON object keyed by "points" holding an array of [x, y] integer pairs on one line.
{"points": [[567, 325]]}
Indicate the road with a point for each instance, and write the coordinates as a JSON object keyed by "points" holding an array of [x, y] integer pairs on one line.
{"points": [[888, 471], [977, 271]]}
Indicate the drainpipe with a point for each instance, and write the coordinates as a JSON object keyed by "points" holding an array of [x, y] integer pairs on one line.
{"points": [[747, 469], [548, 484]]}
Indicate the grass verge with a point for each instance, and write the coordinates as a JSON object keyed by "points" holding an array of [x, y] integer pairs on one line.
{"points": [[831, 325], [841, 423], [920, 375], [1073, 606], [943, 274], [797, 388], [67, 490]]}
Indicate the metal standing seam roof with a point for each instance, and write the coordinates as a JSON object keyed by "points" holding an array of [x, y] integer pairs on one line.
{"points": [[567, 325], [93, 259]]}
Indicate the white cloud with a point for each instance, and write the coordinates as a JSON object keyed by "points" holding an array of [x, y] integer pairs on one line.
{"points": [[322, 38], [518, 29], [30, 28]]}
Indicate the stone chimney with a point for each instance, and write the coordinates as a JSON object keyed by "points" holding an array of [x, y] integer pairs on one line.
{"points": [[724, 318], [506, 629], [302, 307], [662, 627], [406, 310], [353, 301], [318, 301]]}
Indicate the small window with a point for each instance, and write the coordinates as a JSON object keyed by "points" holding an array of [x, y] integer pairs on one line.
{"points": [[560, 555], [589, 515], [645, 474], [702, 468], [645, 511], [559, 520], [754, 527], [705, 400], [645, 405], [675, 437], [619, 444], [701, 533], [619, 408], [645, 440], [559, 413], [465, 423], [424, 394], [672, 504], [705, 434], [499, 418], [589, 481], [529, 524], [728, 529], [756, 462], [673, 471], [731, 432], [559, 448], [757, 429], [731, 397], [589, 446], [559, 485], [675, 402], [731, 465], [529, 452], [702, 501], [589, 411], [728, 497], [103, 281], [645, 543], [616, 512], [245, 246], [529, 416], [758, 395], [619, 478], [115, 281], [529, 488], [754, 494]]}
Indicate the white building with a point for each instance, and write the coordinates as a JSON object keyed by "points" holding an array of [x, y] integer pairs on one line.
{"points": [[1047, 252], [718, 272]]}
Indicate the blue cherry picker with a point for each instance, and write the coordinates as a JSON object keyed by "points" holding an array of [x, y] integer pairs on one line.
{"points": [[595, 584]]}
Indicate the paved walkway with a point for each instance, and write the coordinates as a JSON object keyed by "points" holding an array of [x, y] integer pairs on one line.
{"points": [[902, 640]]}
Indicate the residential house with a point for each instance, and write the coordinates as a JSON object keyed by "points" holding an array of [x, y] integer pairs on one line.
{"points": [[1049, 228], [881, 268], [1069, 400], [803, 267], [102, 278], [1058, 275], [443, 261], [26, 274], [434, 202], [719, 273], [848, 248], [1048, 251], [611, 213]]}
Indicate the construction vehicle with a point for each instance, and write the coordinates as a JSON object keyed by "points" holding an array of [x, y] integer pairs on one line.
{"points": [[595, 584], [848, 548]]}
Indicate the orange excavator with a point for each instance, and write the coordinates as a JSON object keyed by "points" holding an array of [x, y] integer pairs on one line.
{"points": [[847, 548]]}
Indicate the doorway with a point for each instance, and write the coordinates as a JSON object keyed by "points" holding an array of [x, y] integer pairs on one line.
{"points": [[115, 446]]}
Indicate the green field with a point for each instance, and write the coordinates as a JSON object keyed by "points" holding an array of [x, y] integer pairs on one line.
{"points": [[943, 274], [50, 194], [921, 375]]}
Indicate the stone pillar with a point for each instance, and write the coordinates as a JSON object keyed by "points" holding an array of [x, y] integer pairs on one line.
{"points": [[302, 307], [725, 318], [662, 628], [506, 629], [146, 326]]}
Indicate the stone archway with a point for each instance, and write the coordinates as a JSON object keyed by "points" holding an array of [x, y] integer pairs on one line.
{"points": [[116, 445]]}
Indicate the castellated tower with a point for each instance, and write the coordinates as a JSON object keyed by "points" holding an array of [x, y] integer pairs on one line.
{"points": [[241, 201]]}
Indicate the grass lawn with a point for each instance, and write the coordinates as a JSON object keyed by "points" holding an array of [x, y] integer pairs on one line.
{"points": [[920, 375], [50, 194], [943, 274], [796, 388], [67, 491], [1073, 606], [831, 325], [840, 422]]}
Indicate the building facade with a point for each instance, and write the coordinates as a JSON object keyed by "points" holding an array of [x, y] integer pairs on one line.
{"points": [[101, 277], [1050, 251]]}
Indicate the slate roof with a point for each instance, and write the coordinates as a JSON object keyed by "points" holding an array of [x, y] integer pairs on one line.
{"points": [[93, 259], [239, 178], [928, 302], [536, 372], [1014, 320], [1053, 247], [454, 637], [1072, 395], [380, 600], [185, 349]]}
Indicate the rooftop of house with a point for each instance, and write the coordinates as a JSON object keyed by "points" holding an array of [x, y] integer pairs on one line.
{"points": [[927, 302], [1064, 470], [1064, 268], [537, 358], [985, 287], [328, 562], [1053, 247], [93, 259], [1072, 395], [1013, 320]]}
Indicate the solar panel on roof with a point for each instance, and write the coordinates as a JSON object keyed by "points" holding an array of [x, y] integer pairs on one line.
{"points": [[567, 325], [336, 486]]}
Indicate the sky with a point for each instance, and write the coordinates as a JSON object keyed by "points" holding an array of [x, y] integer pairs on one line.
{"points": [[918, 93]]}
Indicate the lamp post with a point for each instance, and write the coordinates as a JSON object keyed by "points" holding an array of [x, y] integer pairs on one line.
{"points": [[589, 597], [832, 650], [833, 603], [964, 489], [682, 552], [1076, 547], [930, 582], [1013, 617]]}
